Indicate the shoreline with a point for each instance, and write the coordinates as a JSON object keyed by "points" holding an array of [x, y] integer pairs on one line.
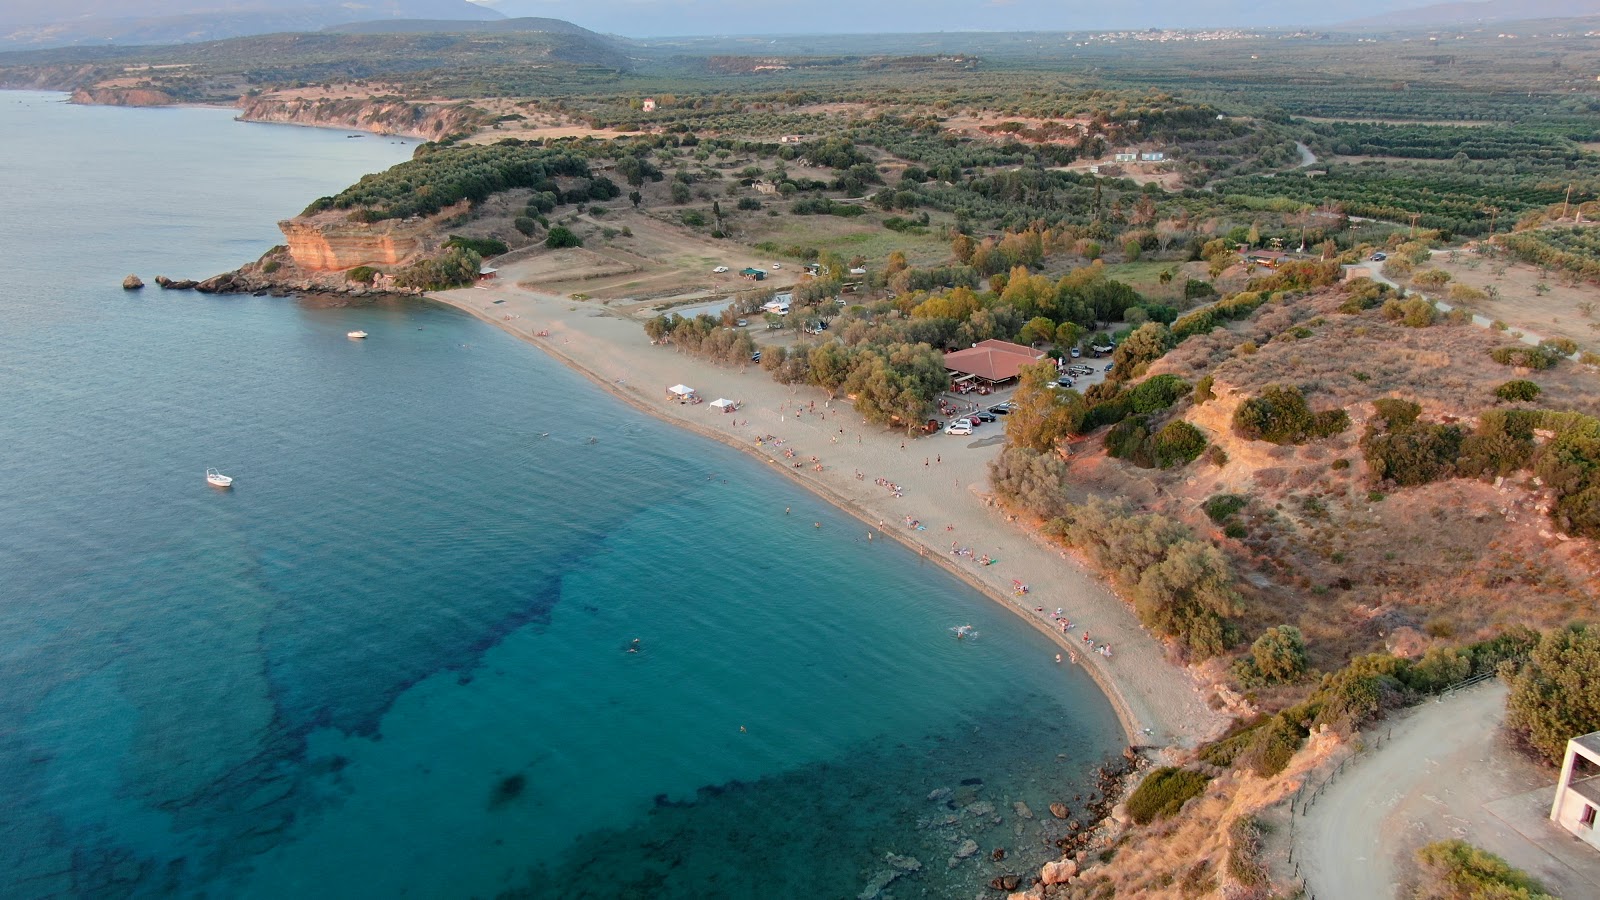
{"points": [[1157, 703]]}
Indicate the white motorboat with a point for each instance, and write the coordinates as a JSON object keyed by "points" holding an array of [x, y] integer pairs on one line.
{"points": [[217, 479], [356, 334]]}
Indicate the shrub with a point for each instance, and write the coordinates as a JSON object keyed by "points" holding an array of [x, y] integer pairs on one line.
{"points": [[1523, 356], [561, 236], [1556, 695], [1280, 416], [1244, 852], [1415, 454], [480, 246], [1164, 792], [454, 268], [362, 274], [1279, 654], [1156, 393], [1179, 443], [528, 227], [1456, 870], [1272, 746], [1417, 313], [1518, 390], [1202, 390], [694, 218], [1221, 507], [1195, 289]]}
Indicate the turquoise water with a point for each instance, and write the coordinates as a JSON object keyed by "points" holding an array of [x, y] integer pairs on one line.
{"points": [[392, 661]]}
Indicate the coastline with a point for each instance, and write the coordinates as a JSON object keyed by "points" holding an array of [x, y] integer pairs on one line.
{"points": [[1158, 703]]}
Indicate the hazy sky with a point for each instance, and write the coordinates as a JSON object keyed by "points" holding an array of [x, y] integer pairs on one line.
{"points": [[650, 18]]}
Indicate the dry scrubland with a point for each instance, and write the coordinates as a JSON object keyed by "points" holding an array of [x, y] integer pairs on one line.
{"points": [[1354, 568]]}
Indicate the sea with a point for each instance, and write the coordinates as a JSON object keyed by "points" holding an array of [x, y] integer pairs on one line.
{"points": [[465, 625]]}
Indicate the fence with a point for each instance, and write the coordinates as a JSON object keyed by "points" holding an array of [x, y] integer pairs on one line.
{"points": [[1306, 796]]}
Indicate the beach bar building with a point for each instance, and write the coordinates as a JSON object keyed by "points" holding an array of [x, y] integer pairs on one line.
{"points": [[1578, 792], [990, 362]]}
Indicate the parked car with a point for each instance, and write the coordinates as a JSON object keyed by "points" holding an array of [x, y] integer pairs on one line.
{"points": [[720, 269], [777, 265], [960, 427], [1001, 410], [1378, 257], [1076, 353], [1109, 365], [1064, 381], [983, 415], [756, 356]]}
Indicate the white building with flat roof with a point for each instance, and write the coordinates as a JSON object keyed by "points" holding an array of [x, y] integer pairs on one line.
{"points": [[1578, 792]]}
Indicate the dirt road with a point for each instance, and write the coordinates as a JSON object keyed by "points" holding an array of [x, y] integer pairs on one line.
{"points": [[1447, 771]]}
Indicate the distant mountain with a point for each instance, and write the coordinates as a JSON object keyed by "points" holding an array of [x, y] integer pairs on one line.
{"points": [[55, 23], [1483, 11], [436, 26]]}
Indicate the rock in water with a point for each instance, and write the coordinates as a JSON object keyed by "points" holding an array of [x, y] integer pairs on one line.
{"points": [[903, 863], [967, 848], [939, 793], [1059, 810], [132, 283], [1059, 872], [1022, 809]]}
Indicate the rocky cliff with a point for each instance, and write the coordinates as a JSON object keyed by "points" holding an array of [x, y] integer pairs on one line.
{"points": [[429, 121], [121, 96], [331, 242]]}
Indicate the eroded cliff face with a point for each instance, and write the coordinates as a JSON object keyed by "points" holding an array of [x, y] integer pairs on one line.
{"points": [[429, 121], [331, 242], [122, 96]]}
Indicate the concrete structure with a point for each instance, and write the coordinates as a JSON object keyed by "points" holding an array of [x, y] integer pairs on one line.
{"points": [[1577, 802], [991, 361], [649, 104], [1126, 157]]}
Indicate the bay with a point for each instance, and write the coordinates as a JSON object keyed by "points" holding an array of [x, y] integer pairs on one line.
{"points": [[394, 659]]}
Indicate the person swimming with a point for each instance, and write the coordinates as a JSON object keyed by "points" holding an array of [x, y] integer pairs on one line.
{"points": [[634, 647]]}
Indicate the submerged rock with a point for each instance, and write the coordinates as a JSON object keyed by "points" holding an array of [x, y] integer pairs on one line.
{"points": [[981, 808], [1059, 810], [968, 847], [1022, 810], [902, 863], [1006, 882], [132, 283], [939, 793]]}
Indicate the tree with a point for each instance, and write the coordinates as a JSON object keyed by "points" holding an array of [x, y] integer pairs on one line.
{"points": [[1556, 696], [635, 198], [1280, 654], [561, 236]]}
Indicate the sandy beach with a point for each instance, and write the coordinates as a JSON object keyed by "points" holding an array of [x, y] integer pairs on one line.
{"points": [[942, 485]]}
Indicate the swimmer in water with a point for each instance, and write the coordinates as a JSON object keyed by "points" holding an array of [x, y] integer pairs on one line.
{"points": [[634, 648]]}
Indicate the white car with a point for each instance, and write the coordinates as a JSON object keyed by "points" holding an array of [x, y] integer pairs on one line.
{"points": [[719, 270], [777, 265], [959, 427]]}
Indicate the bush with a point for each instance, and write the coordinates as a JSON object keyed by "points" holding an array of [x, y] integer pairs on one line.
{"points": [[362, 274], [1280, 416], [1556, 696], [1414, 454], [1279, 655], [1164, 792], [1244, 852], [1519, 390], [1156, 393], [481, 246], [1525, 357], [1456, 870], [561, 236], [456, 267], [528, 227], [1179, 443], [1202, 390]]}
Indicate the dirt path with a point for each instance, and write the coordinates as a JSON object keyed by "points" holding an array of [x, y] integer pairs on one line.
{"points": [[1307, 158], [1447, 771]]}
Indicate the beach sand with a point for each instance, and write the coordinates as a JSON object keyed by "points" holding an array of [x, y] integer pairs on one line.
{"points": [[943, 481]]}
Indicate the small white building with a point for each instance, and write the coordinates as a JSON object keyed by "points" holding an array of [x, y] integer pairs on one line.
{"points": [[1578, 792], [1126, 157], [649, 104], [1154, 156]]}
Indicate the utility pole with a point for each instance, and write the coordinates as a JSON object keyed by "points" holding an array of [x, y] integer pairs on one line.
{"points": [[1492, 211], [1565, 203], [1414, 218]]}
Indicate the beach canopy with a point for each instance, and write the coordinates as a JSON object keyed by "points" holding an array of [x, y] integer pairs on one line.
{"points": [[722, 403], [682, 390]]}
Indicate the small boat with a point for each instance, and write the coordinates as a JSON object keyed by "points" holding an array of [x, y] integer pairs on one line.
{"points": [[358, 335], [217, 479]]}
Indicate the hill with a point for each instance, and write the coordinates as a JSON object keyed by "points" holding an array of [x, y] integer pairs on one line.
{"points": [[36, 23], [1478, 11], [521, 25]]}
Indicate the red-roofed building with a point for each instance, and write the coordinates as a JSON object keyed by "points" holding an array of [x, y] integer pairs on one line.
{"points": [[991, 361]]}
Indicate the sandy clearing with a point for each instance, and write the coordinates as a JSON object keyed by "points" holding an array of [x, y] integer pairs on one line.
{"points": [[1446, 771], [943, 481]]}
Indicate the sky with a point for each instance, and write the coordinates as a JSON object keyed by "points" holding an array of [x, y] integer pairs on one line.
{"points": [[655, 18]]}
